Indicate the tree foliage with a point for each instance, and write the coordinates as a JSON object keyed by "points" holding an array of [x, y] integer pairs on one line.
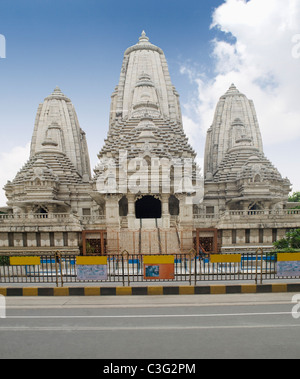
{"points": [[291, 241], [295, 197]]}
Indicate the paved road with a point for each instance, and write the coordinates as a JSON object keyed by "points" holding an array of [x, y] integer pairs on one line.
{"points": [[153, 327]]}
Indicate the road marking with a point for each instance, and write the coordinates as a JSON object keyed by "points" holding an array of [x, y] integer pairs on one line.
{"points": [[152, 316], [144, 328], [121, 306]]}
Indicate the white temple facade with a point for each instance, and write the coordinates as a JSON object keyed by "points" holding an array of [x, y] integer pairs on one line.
{"points": [[146, 194]]}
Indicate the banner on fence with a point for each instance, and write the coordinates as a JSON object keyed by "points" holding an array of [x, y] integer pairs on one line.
{"points": [[288, 264], [159, 267], [225, 258], [91, 268], [24, 261]]}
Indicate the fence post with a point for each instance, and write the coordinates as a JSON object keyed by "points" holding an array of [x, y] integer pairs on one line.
{"points": [[56, 268], [192, 254], [261, 265], [125, 253], [195, 270], [57, 258], [261, 270]]}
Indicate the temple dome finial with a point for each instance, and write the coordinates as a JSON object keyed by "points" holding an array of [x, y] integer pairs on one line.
{"points": [[232, 91], [57, 90], [143, 37], [57, 94], [232, 88]]}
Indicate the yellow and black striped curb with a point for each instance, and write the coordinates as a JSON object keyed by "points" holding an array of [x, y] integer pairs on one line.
{"points": [[150, 290]]}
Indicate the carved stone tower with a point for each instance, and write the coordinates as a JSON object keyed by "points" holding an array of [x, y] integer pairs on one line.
{"points": [[56, 177], [147, 174], [237, 174]]}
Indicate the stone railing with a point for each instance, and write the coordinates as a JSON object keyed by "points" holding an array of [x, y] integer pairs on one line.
{"points": [[247, 213], [51, 217], [54, 217], [234, 214], [99, 219], [261, 213], [205, 216]]}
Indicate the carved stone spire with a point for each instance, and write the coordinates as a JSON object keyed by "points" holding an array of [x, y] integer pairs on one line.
{"points": [[59, 163], [57, 129], [235, 118], [237, 173]]}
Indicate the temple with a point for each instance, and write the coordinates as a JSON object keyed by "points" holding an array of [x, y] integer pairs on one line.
{"points": [[146, 194]]}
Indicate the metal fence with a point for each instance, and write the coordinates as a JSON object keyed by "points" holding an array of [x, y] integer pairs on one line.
{"points": [[128, 268]]}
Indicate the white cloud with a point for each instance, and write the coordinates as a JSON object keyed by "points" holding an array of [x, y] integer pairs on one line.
{"points": [[259, 58], [10, 163]]}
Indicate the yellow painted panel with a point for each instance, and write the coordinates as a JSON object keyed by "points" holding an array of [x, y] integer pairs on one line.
{"points": [[153, 290], [186, 290], [278, 287], [24, 261], [287, 257], [248, 288], [217, 289], [225, 258], [30, 291], [92, 291], [124, 291], [60, 291], [91, 260], [3, 291], [157, 259]]}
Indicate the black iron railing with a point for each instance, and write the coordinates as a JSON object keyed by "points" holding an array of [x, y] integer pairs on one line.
{"points": [[64, 268]]}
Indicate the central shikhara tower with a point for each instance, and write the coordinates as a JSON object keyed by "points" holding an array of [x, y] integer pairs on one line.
{"points": [[147, 175], [146, 194], [146, 156]]}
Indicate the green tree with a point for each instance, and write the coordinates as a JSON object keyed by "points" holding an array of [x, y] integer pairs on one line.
{"points": [[295, 197], [4, 261], [291, 241]]}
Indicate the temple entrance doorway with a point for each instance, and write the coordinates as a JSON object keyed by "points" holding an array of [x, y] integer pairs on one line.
{"points": [[148, 207]]}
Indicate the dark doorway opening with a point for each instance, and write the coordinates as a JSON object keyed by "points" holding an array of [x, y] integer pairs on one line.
{"points": [[173, 206], [123, 206], [148, 207]]}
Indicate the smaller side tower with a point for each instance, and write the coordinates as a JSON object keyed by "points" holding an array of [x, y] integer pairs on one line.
{"points": [[56, 177], [238, 176]]}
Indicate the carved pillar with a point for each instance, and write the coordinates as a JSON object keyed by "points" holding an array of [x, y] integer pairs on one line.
{"points": [[165, 211], [131, 210], [112, 210]]}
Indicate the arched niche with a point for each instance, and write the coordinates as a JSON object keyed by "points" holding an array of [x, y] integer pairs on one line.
{"points": [[173, 206]]}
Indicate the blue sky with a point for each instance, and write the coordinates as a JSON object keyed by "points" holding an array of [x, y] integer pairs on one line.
{"points": [[79, 45]]}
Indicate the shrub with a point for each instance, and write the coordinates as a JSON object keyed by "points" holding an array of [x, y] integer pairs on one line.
{"points": [[281, 244], [4, 261], [291, 240]]}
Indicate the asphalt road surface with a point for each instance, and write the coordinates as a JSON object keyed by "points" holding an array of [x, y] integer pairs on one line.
{"points": [[151, 327]]}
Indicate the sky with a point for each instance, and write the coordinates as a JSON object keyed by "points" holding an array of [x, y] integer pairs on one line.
{"points": [[79, 45]]}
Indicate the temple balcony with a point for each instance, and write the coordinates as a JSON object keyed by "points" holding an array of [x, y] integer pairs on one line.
{"points": [[283, 218], [264, 213], [93, 220], [38, 219]]}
